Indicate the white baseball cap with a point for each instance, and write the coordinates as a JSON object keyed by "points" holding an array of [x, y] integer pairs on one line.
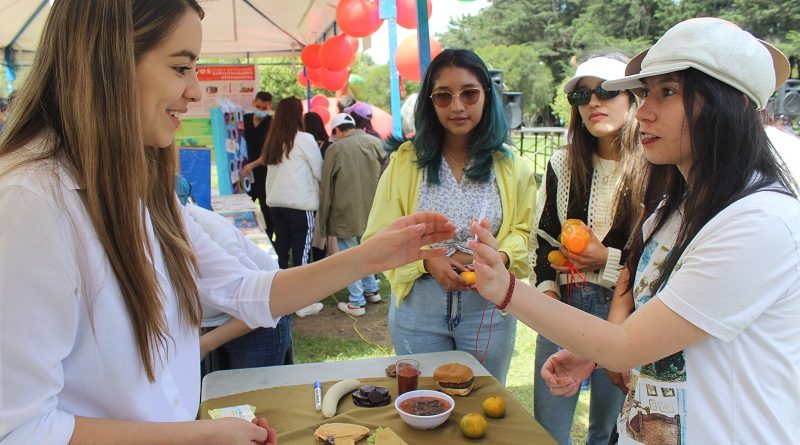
{"points": [[341, 119], [603, 68], [717, 48]]}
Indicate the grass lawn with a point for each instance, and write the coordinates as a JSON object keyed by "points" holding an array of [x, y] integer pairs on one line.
{"points": [[308, 349]]}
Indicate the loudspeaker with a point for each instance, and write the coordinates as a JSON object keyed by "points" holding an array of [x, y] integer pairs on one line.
{"points": [[497, 80], [788, 98], [512, 106]]}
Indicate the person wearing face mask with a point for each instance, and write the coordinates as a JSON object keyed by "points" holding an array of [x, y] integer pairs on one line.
{"points": [[256, 127]]}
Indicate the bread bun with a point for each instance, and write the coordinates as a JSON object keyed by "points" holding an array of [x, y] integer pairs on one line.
{"points": [[454, 379]]}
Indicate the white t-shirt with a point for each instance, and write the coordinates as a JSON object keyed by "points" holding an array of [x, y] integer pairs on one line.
{"points": [[54, 362], [739, 281], [788, 147], [294, 183]]}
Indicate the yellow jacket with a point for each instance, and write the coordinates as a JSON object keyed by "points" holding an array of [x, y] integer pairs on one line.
{"points": [[398, 195]]}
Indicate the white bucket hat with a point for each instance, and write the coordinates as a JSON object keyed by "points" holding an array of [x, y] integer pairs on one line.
{"points": [[719, 49], [603, 68]]}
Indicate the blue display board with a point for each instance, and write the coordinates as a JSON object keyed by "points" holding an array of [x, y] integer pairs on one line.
{"points": [[196, 168], [230, 149]]}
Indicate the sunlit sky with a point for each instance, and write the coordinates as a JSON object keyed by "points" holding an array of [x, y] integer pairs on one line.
{"points": [[443, 10]]}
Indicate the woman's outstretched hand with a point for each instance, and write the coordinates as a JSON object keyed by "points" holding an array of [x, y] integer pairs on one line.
{"points": [[564, 371], [492, 276], [272, 435], [402, 241]]}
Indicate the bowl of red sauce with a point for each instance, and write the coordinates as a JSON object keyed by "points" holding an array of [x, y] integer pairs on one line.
{"points": [[424, 409]]}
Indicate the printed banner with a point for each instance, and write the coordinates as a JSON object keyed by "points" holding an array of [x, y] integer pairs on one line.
{"points": [[235, 83]]}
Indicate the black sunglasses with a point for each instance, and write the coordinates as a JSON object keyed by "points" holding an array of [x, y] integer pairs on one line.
{"points": [[467, 96], [582, 97]]}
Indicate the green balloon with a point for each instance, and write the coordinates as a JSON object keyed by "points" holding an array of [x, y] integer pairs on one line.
{"points": [[356, 84]]}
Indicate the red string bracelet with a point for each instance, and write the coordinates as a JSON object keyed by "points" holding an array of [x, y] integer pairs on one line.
{"points": [[509, 292]]}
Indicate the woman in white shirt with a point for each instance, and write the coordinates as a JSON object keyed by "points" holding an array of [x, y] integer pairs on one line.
{"points": [[294, 169], [99, 270], [712, 341], [595, 178]]}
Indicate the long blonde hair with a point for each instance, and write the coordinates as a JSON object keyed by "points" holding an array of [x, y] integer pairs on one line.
{"points": [[81, 95]]}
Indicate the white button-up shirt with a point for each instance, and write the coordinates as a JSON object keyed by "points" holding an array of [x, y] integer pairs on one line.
{"points": [[66, 341]]}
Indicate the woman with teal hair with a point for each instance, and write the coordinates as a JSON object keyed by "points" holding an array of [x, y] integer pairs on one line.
{"points": [[457, 164]]}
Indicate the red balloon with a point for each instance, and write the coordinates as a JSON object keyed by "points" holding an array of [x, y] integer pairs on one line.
{"points": [[353, 42], [358, 18], [336, 53], [314, 75], [301, 79], [407, 57], [334, 80], [319, 101], [407, 13], [310, 55], [323, 112]]}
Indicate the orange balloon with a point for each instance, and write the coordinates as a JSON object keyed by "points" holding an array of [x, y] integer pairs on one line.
{"points": [[407, 13], [353, 42], [333, 80], [336, 53], [557, 258], [310, 55], [407, 57], [358, 18], [573, 235]]}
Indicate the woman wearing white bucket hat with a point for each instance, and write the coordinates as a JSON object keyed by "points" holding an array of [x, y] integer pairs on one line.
{"points": [[715, 267], [596, 178]]}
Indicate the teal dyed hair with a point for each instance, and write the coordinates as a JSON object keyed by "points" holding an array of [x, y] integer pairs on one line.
{"points": [[488, 137]]}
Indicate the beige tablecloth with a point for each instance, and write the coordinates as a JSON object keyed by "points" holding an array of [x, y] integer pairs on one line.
{"points": [[290, 409]]}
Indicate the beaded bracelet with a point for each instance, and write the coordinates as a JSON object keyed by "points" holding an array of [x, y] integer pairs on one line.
{"points": [[509, 292]]}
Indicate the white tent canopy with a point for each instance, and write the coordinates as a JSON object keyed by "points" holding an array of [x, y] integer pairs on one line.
{"points": [[231, 28]]}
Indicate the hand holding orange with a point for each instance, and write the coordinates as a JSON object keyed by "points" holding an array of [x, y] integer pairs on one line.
{"points": [[469, 277], [557, 258], [574, 236]]}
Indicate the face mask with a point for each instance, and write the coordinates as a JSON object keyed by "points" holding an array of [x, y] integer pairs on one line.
{"points": [[260, 114]]}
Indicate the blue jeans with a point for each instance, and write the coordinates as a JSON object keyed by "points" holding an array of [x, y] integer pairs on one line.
{"points": [[431, 319], [368, 283], [556, 413], [260, 347]]}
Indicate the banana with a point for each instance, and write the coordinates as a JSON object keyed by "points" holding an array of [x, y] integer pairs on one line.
{"points": [[331, 400]]}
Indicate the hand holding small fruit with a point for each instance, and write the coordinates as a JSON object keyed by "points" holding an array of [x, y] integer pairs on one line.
{"points": [[581, 248], [492, 276], [443, 270]]}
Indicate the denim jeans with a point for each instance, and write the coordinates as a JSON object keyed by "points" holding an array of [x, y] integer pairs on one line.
{"points": [[431, 319], [556, 413], [366, 284], [260, 347]]}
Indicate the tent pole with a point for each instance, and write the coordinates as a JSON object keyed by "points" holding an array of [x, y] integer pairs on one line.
{"points": [[388, 11], [423, 38]]}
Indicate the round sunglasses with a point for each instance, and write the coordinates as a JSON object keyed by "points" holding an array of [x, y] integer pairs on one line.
{"points": [[467, 96], [582, 97]]}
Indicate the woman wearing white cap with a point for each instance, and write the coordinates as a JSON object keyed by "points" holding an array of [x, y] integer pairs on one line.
{"points": [[595, 178], [714, 341]]}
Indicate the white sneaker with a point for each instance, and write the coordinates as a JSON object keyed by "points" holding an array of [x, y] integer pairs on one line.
{"points": [[352, 310], [310, 310], [372, 298]]}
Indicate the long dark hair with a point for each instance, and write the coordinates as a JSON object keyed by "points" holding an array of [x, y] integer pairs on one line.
{"points": [[312, 123], [288, 120], [486, 138], [732, 158], [627, 144]]}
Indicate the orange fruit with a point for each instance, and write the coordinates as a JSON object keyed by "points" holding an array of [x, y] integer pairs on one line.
{"points": [[557, 258], [469, 277], [574, 236], [494, 407], [472, 425]]}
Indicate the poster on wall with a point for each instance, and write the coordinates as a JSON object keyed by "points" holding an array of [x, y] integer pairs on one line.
{"points": [[232, 83], [230, 148]]}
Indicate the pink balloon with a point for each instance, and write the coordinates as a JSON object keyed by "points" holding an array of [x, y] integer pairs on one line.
{"points": [[353, 42], [407, 13], [310, 55], [336, 53], [358, 18], [407, 57], [323, 112], [301, 79], [319, 101], [334, 80]]}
